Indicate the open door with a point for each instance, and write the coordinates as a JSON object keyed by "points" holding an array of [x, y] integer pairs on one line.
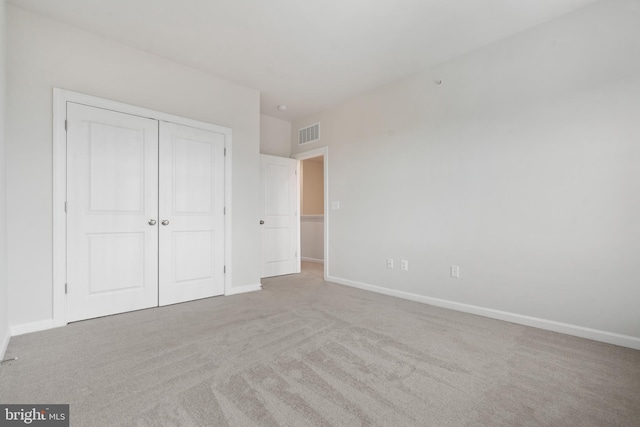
{"points": [[280, 217]]}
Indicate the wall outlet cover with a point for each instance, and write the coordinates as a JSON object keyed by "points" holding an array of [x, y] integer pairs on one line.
{"points": [[455, 271]]}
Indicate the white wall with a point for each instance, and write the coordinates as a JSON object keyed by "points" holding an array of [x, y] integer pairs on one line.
{"points": [[275, 136], [312, 238], [43, 54], [4, 304], [522, 168]]}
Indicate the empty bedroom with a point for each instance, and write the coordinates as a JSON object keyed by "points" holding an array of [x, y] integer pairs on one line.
{"points": [[291, 213]]}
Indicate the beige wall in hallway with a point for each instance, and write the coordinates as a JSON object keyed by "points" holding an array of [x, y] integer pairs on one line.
{"points": [[312, 187]]}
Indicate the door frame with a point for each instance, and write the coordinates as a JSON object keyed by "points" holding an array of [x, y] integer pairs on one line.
{"points": [[59, 185], [317, 152]]}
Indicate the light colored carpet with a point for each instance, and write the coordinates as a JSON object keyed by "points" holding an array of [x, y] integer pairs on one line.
{"points": [[305, 352]]}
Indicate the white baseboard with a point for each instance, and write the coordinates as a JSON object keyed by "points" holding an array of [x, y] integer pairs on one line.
{"points": [[243, 289], [549, 325], [27, 328], [4, 344], [43, 325], [317, 261]]}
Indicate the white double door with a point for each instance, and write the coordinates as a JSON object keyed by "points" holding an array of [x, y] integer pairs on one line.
{"points": [[145, 212]]}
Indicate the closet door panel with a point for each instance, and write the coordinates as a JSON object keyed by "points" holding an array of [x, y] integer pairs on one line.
{"points": [[112, 181], [191, 213]]}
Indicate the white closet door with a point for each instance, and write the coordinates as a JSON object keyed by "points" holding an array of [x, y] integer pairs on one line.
{"points": [[280, 220], [191, 213], [112, 237]]}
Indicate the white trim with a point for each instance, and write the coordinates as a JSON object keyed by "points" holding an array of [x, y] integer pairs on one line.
{"points": [[228, 212], [317, 218], [324, 152], [243, 289], [59, 183], [60, 99], [27, 328], [4, 345], [314, 260], [549, 325], [298, 219]]}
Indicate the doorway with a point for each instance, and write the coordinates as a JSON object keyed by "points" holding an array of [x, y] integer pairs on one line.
{"points": [[314, 218], [312, 211]]}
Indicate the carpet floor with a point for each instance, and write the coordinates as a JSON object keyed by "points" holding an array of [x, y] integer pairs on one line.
{"points": [[304, 352]]}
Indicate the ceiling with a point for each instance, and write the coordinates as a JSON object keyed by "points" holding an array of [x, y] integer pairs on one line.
{"points": [[308, 55]]}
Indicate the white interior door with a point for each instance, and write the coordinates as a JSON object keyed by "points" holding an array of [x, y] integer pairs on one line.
{"points": [[112, 205], [191, 221], [280, 220]]}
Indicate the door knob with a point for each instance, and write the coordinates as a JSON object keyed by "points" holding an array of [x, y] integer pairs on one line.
{"points": [[165, 222], [152, 222], [261, 222]]}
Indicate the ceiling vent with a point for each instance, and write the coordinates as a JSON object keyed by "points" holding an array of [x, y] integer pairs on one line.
{"points": [[309, 134]]}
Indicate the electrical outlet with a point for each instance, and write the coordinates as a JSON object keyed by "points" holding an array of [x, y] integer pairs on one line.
{"points": [[390, 263], [455, 271], [404, 265]]}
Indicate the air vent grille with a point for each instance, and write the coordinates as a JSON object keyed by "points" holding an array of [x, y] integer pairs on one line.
{"points": [[309, 134]]}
